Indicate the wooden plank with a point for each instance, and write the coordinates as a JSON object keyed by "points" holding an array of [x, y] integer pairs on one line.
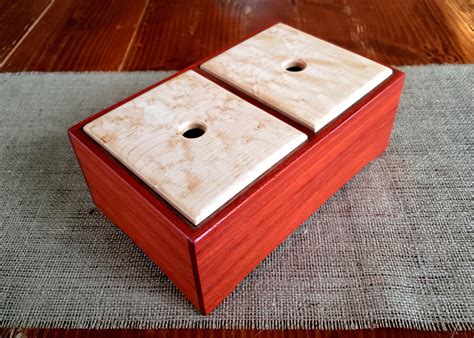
{"points": [[172, 35], [459, 19], [463, 9], [229, 333], [17, 18], [164, 35], [233, 143], [79, 35], [175, 34], [409, 32]]}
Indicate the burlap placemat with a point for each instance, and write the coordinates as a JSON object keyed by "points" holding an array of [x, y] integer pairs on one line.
{"points": [[393, 248]]}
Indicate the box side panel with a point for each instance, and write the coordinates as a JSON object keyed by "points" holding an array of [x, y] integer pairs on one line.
{"points": [[139, 220], [235, 246]]}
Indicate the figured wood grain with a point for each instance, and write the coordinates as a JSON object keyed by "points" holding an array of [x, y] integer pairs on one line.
{"points": [[169, 35], [196, 175], [227, 249], [327, 79]]}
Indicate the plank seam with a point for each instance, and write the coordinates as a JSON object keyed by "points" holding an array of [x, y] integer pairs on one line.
{"points": [[197, 279], [30, 29], [132, 39]]}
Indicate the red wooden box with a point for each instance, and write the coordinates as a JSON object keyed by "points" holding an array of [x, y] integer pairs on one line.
{"points": [[208, 262]]}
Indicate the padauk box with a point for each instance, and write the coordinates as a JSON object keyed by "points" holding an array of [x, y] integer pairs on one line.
{"points": [[209, 170]]}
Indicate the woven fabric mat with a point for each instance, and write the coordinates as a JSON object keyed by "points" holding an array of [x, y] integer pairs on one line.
{"points": [[393, 248]]}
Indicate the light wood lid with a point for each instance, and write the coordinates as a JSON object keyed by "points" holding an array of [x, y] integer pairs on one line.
{"points": [[331, 80], [196, 175]]}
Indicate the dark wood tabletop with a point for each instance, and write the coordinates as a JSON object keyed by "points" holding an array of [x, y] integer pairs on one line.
{"points": [[123, 35], [375, 333], [88, 35]]}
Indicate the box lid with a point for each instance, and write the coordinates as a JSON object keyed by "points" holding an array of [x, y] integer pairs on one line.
{"points": [[194, 143], [307, 79]]}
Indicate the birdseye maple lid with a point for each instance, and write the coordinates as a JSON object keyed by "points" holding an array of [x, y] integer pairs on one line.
{"points": [[307, 79], [194, 143]]}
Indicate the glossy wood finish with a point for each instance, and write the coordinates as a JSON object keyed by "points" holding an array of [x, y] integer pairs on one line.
{"points": [[88, 35], [273, 207], [129, 207], [17, 19], [77, 35], [377, 333], [408, 32], [230, 243]]}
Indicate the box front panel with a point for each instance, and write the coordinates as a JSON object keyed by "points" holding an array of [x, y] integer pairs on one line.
{"points": [[139, 220]]}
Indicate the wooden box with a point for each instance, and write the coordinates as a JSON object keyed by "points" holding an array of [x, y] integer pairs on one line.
{"points": [[212, 168]]}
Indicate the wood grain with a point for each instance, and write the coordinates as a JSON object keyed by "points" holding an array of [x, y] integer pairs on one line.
{"points": [[160, 35], [196, 175], [394, 32], [222, 251], [17, 18], [307, 79], [78, 35], [127, 206], [261, 219], [398, 32], [187, 333]]}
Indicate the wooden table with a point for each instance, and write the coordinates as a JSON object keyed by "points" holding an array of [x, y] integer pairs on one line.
{"points": [[87, 35], [122, 35]]}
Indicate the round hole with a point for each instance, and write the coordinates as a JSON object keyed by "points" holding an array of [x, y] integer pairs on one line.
{"points": [[192, 129], [294, 65]]}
